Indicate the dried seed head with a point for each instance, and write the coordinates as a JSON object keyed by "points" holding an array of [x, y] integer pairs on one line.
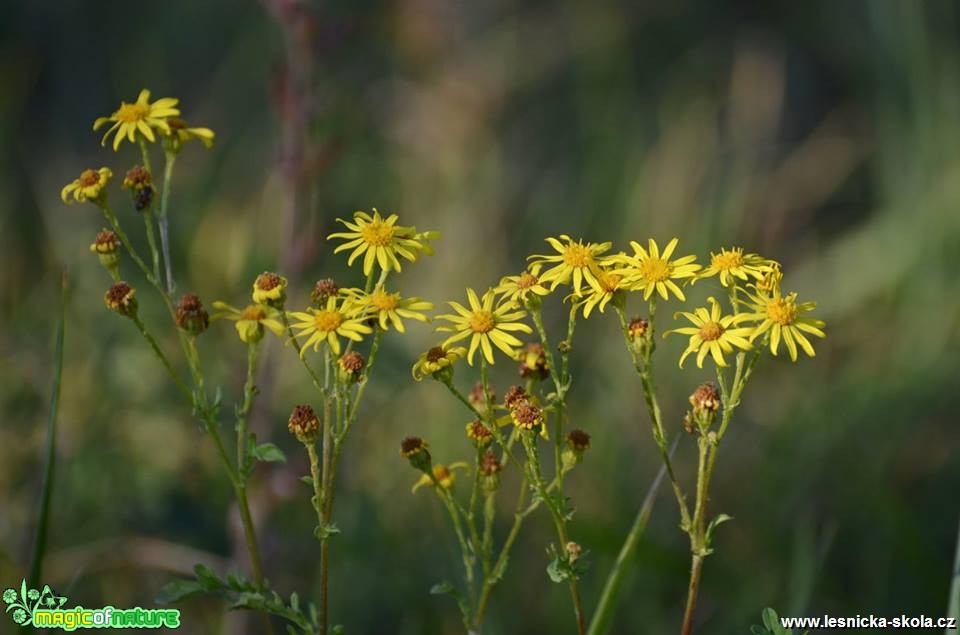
{"points": [[479, 433], [120, 298], [351, 366], [323, 290], [705, 398], [527, 416], [191, 316], [533, 362], [303, 424], [515, 397]]}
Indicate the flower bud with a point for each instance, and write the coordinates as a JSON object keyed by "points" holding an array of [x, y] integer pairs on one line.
{"points": [[515, 397], [526, 416], [120, 298], [304, 424], [140, 183], [490, 468], [270, 289], [574, 551], [107, 247], [477, 398], [323, 290], [191, 316], [533, 362], [479, 433], [351, 367], [578, 442], [415, 450]]}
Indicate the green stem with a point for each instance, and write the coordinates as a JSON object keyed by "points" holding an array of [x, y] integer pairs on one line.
{"points": [[152, 241], [179, 383], [46, 489], [163, 221], [299, 350], [243, 413]]}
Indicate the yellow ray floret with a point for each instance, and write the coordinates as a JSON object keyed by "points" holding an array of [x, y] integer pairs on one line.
{"points": [[485, 324], [713, 333], [380, 241], [573, 263], [328, 324], [139, 119], [783, 318], [651, 270]]}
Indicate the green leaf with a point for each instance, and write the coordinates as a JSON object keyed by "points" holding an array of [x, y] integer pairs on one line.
{"points": [[177, 590], [268, 453], [558, 570], [441, 588], [324, 532], [307, 479]]}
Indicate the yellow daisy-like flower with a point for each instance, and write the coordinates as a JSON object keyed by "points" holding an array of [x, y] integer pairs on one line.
{"points": [[574, 261], [139, 119], [436, 359], [251, 320], [652, 270], [389, 307], [328, 325], [522, 288], [713, 333], [180, 132], [484, 324], [783, 318], [443, 475], [603, 287], [380, 240], [88, 187], [733, 263]]}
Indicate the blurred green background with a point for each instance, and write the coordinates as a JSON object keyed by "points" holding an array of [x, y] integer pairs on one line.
{"points": [[824, 134]]}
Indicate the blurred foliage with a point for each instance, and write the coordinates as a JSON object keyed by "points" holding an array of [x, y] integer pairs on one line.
{"points": [[823, 134]]}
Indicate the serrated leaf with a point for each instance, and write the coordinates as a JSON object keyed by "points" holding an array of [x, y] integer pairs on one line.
{"points": [[557, 571], [268, 453]]}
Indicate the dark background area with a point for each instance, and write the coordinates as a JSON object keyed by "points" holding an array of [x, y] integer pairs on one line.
{"points": [[823, 134]]}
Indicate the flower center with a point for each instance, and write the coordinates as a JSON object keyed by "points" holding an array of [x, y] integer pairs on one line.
{"points": [[89, 177], [727, 260], [253, 313], [482, 322], [268, 281], [527, 280], [327, 321], [377, 233], [384, 301], [132, 113], [782, 311], [711, 331], [609, 282], [655, 269], [577, 255], [435, 354]]}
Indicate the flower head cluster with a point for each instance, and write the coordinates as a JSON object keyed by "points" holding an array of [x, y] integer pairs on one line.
{"points": [[141, 120]]}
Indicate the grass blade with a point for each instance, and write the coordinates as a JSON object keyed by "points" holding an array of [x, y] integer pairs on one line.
{"points": [[608, 598], [43, 513]]}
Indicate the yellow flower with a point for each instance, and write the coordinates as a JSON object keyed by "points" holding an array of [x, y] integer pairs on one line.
{"points": [[441, 474], [139, 119], [382, 240], [603, 287], [713, 333], [326, 324], [389, 307], [783, 318], [573, 261], [733, 263], [521, 288], [251, 320], [179, 132], [484, 324], [88, 187], [652, 270], [436, 359]]}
